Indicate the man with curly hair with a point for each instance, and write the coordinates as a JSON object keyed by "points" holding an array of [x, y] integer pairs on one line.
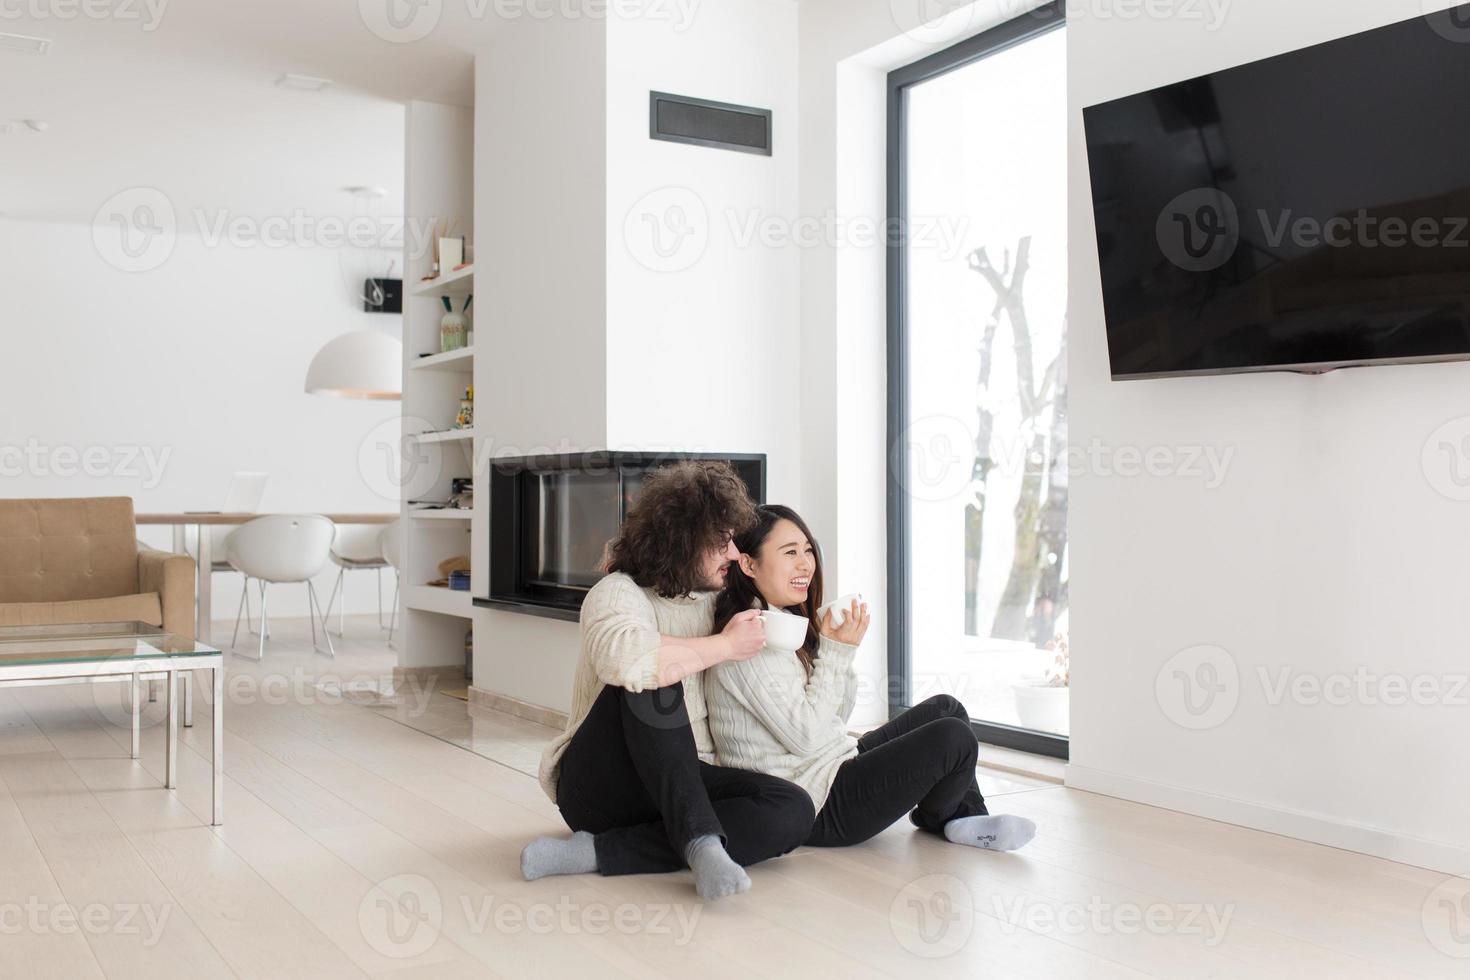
{"points": [[633, 774]]}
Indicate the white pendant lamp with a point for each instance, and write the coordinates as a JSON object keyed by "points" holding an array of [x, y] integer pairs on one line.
{"points": [[361, 364]]}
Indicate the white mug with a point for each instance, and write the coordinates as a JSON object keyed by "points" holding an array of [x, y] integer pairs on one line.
{"points": [[784, 631], [839, 607]]}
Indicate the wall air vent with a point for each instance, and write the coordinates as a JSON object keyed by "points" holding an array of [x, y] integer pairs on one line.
{"points": [[680, 119]]}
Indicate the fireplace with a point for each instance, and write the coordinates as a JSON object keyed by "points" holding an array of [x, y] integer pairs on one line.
{"points": [[552, 516]]}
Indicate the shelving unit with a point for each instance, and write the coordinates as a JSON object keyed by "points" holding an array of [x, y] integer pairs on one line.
{"points": [[445, 435], [438, 189], [461, 360], [456, 283], [437, 599]]}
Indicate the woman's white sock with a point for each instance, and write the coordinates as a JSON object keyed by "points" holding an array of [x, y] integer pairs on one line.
{"points": [[994, 833]]}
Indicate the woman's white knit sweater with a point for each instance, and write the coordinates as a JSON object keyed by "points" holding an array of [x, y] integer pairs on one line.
{"points": [[767, 715], [622, 629]]}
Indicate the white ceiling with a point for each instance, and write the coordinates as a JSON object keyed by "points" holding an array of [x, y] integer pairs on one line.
{"points": [[191, 106]]}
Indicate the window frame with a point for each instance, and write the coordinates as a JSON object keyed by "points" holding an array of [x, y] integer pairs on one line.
{"points": [[1019, 30]]}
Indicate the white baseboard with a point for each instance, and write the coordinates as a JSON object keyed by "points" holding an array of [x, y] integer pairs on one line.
{"points": [[1373, 841], [550, 717]]}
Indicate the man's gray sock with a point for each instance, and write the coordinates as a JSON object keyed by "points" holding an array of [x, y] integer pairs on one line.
{"points": [[715, 873], [994, 833], [555, 856]]}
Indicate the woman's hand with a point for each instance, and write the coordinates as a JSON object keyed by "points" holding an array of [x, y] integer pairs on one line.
{"points": [[746, 634], [853, 628]]}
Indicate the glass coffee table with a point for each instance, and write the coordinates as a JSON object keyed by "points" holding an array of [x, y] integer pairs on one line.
{"points": [[35, 655]]}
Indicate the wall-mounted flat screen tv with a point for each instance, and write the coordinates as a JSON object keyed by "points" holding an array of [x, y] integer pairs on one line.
{"points": [[1305, 212]]}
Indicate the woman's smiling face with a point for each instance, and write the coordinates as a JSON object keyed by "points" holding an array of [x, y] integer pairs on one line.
{"points": [[782, 569]]}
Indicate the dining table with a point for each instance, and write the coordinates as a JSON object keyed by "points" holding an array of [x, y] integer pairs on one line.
{"points": [[204, 561]]}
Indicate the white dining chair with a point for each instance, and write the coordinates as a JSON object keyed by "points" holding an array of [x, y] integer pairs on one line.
{"points": [[355, 548], [243, 497], [390, 544], [279, 549]]}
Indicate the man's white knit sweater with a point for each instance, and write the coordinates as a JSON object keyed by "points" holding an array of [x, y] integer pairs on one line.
{"points": [[767, 715], [622, 629]]}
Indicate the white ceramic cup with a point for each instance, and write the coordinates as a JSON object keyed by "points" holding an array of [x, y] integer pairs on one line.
{"points": [[839, 607], [784, 631]]}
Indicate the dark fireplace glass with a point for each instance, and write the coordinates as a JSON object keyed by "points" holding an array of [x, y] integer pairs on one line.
{"points": [[552, 517], [574, 516]]}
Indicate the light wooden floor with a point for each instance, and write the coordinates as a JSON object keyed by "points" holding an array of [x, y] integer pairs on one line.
{"points": [[368, 841]]}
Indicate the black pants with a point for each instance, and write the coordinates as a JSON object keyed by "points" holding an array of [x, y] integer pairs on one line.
{"points": [[922, 760], [632, 777]]}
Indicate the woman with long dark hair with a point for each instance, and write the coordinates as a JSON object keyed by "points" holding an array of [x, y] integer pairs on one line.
{"points": [[785, 712]]}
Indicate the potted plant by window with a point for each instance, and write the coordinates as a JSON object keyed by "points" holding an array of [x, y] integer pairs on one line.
{"points": [[1045, 704]]}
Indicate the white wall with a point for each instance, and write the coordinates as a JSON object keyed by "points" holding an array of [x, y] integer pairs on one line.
{"points": [[540, 322], [200, 362], [1326, 548], [540, 193], [703, 351]]}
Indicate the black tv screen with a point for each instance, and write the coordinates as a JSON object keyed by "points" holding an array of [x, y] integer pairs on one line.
{"points": [[1304, 212]]}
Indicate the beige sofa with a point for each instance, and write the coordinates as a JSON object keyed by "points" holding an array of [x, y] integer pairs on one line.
{"points": [[78, 561]]}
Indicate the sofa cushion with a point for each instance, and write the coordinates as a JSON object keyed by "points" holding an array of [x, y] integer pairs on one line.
{"points": [[143, 608], [62, 549]]}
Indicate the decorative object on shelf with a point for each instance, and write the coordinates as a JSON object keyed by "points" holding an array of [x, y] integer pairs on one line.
{"points": [[451, 254], [441, 234], [459, 581], [451, 326], [360, 364], [461, 493], [447, 567], [466, 417]]}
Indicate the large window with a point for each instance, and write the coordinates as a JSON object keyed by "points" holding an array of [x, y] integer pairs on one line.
{"points": [[978, 381]]}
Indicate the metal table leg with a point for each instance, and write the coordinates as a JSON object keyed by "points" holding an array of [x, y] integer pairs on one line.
{"points": [[171, 777], [136, 697], [219, 746], [205, 575]]}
